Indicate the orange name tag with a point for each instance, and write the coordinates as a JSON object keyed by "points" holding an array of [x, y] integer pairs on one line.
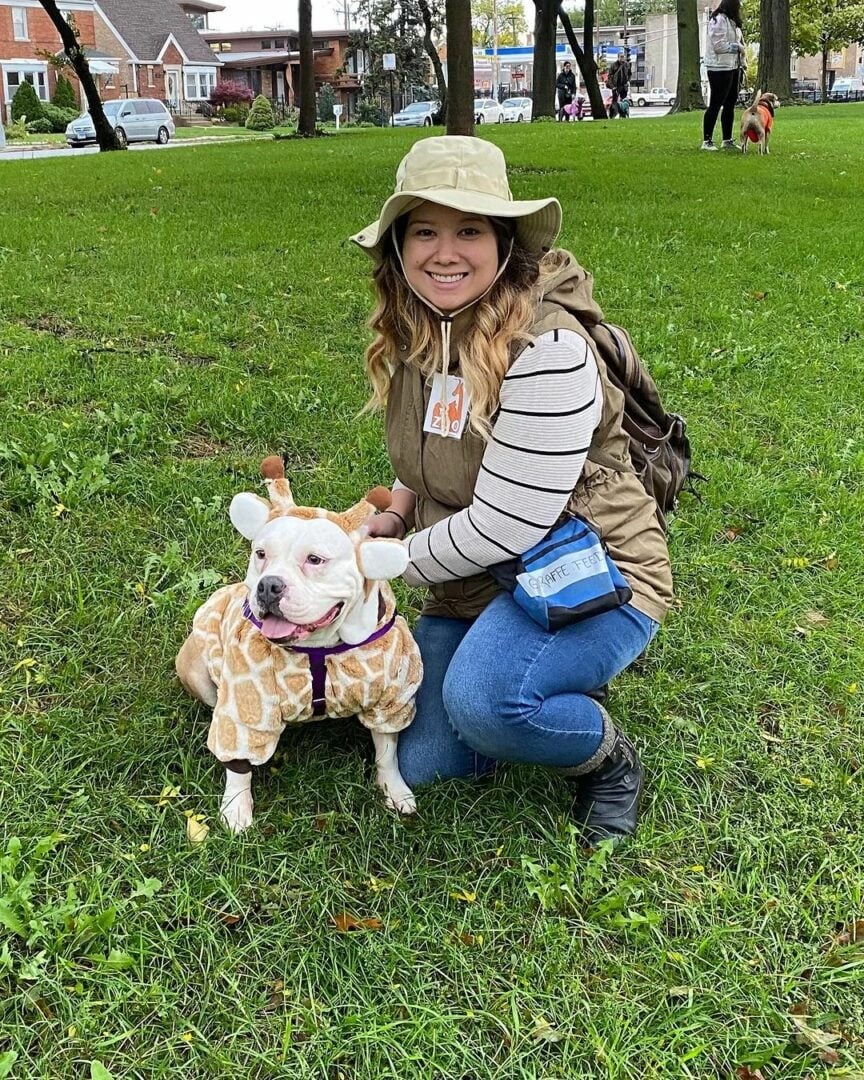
{"points": [[448, 409]]}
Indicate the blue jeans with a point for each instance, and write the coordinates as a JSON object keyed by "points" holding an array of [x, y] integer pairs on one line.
{"points": [[501, 688]]}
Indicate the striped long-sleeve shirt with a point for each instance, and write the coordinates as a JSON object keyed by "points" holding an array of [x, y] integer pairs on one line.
{"points": [[551, 402]]}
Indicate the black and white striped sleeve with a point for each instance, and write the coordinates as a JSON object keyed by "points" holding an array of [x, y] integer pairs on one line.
{"points": [[551, 403]]}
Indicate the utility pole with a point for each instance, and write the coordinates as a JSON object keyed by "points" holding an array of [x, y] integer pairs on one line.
{"points": [[495, 75]]}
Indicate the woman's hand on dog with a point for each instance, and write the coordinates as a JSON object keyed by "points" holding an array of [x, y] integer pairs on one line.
{"points": [[386, 525]]}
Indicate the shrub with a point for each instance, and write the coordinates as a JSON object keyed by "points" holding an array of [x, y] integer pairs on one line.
{"points": [[16, 130], [326, 101], [260, 117], [370, 113], [64, 95], [235, 114], [231, 93], [39, 127], [57, 118], [26, 103]]}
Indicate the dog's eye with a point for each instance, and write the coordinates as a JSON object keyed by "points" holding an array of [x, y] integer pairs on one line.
{"points": [[315, 560], [261, 554]]}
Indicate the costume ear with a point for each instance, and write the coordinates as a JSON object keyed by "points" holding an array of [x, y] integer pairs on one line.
{"points": [[248, 513], [381, 559]]}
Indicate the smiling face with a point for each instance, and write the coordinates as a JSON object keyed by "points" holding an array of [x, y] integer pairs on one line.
{"points": [[450, 257]]}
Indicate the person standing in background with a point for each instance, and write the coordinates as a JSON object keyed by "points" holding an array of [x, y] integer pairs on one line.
{"points": [[618, 79], [565, 87], [724, 61]]}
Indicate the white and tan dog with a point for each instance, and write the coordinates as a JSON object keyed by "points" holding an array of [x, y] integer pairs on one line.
{"points": [[757, 122], [312, 632]]}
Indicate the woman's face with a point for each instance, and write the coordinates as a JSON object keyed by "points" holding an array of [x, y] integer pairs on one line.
{"points": [[450, 257]]}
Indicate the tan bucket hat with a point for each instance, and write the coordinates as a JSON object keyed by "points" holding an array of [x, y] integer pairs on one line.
{"points": [[468, 174]]}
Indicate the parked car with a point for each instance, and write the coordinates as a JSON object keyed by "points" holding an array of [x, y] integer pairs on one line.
{"points": [[517, 110], [487, 111], [657, 95], [134, 120], [420, 114], [846, 90]]}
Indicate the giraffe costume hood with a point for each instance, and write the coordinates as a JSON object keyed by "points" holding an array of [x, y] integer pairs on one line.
{"points": [[269, 667]]}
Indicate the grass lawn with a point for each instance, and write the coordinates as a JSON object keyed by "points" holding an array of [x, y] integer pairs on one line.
{"points": [[167, 321]]}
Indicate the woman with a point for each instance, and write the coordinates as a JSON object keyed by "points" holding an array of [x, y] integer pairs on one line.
{"points": [[493, 398], [565, 88], [724, 60]]}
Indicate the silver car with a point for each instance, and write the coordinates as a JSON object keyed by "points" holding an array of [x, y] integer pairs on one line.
{"points": [[420, 114], [134, 120]]}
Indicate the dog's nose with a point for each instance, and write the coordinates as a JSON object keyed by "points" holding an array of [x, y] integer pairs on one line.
{"points": [[270, 588]]}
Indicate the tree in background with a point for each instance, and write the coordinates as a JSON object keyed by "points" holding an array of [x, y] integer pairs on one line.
{"points": [[585, 56], [688, 93], [460, 68], [431, 30], [775, 49], [512, 24], [611, 12], [105, 134], [545, 27], [64, 96], [823, 27], [229, 92], [397, 27], [260, 116], [25, 104], [306, 120]]}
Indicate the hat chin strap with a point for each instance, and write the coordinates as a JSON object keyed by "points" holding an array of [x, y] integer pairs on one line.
{"points": [[447, 319]]}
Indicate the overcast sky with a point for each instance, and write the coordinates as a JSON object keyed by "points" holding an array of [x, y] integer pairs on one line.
{"points": [[263, 14]]}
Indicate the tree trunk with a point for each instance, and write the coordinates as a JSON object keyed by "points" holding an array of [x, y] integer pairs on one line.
{"points": [[545, 24], [824, 74], [432, 53], [775, 49], [106, 137], [460, 68], [307, 117], [688, 93], [585, 57]]}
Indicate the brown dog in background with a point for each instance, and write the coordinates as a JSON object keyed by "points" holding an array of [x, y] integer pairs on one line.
{"points": [[758, 120]]}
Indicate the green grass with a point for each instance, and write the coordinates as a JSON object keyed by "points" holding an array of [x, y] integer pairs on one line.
{"points": [[169, 319]]}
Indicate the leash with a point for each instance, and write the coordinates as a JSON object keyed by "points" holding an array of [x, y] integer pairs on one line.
{"points": [[318, 656]]}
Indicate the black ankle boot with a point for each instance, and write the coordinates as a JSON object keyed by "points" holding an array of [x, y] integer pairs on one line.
{"points": [[609, 787]]}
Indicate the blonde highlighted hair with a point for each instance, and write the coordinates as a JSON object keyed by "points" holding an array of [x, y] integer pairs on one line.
{"points": [[407, 331]]}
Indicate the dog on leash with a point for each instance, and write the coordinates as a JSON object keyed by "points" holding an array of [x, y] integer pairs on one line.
{"points": [[757, 122], [311, 632]]}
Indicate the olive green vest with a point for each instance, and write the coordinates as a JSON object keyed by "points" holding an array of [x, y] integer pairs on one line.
{"points": [[443, 472]]}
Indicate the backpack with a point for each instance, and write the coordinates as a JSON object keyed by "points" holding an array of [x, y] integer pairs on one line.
{"points": [[659, 447]]}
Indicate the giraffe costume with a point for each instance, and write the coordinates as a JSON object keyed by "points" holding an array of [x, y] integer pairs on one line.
{"points": [[262, 687]]}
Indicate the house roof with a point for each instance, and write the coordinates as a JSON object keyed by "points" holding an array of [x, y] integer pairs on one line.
{"points": [[146, 25]]}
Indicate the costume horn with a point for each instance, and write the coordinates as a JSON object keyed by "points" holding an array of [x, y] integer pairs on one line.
{"points": [[273, 471]]}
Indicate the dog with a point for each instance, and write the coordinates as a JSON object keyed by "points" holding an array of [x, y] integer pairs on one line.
{"points": [[758, 121], [311, 632]]}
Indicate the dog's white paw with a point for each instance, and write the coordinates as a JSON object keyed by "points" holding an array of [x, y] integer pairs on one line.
{"points": [[403, 802], [236, 810]]}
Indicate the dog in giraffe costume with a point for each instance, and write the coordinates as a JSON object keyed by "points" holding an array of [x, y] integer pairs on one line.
{"points": [[311, 632]]}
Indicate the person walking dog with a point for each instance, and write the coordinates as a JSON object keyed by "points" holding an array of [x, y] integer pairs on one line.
{"points": [[504, 430], [565, 87], [724, 62]]}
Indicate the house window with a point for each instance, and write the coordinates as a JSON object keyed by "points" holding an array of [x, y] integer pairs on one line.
{"points": [[279, 43], [108, 84], [150, 79], [321, 44], [37, 79], [19, 24], [268, 44], [200, 83]]}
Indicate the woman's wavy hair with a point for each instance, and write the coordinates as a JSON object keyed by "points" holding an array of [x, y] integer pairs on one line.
{"points": [[731, 9], [407, 331]]}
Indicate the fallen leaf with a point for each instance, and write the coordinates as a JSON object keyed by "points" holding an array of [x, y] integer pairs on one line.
{"points": [[832, 562], [815, 618], [196, 831], [851, 934], [759, 295], [744, 1072], [681, 991], [732, 533], [805, 781], [168, 792], [323, 822], [463, 895], [704, 762], [811, 1037], [545, 1032], [345, 923], [470, 939], [229, 920], [830, 1057]]}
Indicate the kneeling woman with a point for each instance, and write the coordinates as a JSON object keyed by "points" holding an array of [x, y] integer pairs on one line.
{"points": [[498, 414]]}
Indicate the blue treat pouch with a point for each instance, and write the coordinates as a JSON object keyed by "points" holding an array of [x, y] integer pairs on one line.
{"points": [[567, 577]]}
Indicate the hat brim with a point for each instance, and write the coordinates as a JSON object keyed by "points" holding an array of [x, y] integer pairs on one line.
{"points": [[538, 221]]}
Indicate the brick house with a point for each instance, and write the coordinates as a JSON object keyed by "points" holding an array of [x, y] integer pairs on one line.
{"points": [[136, 48], [268, 61]]}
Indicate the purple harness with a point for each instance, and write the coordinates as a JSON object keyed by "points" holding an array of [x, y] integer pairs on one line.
{"points": [[317, 657]]}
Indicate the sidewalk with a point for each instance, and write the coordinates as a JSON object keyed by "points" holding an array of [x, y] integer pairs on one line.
{"points": [[18, 151]]}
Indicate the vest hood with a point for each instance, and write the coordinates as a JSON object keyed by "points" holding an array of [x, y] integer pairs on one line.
{"points": [[572, 288]]}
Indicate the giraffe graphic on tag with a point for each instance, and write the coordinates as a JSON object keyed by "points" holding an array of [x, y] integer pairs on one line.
{"points": [[447, 412]]}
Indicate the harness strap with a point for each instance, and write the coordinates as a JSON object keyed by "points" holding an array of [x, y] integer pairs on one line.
{"points": [[318, 656]]}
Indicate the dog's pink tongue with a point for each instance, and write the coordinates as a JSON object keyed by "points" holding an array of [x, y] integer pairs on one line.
{"points": [[276, 628]]}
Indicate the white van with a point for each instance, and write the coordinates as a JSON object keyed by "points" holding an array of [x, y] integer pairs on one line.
{"points": [[134, 120]]}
